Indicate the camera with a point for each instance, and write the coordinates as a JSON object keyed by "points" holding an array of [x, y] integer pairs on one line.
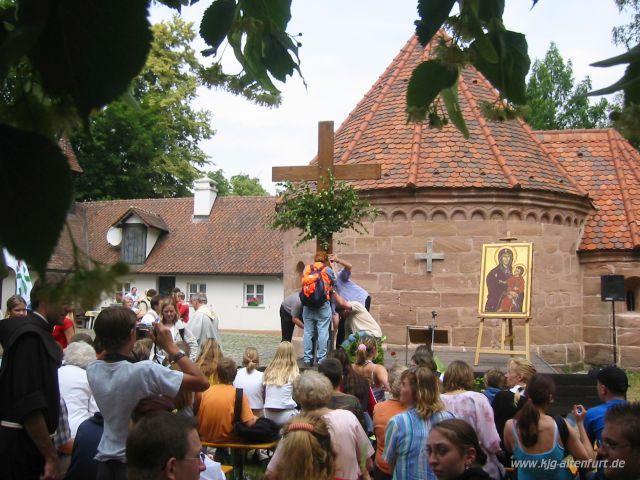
{"points": [[143, 331]]}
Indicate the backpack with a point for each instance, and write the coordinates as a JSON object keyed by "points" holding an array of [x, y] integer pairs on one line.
{"points": [[263, 431], [316, 286]]}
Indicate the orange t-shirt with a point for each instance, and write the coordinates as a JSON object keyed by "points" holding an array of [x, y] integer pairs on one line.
{"points": [[382, 413], [215, 416]]}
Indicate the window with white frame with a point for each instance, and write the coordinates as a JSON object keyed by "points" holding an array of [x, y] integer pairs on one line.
{"points": [[253, 294], [193, 288], [121, 290]]}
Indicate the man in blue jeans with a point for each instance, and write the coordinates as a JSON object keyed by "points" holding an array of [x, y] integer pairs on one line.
{"points": [[319, 317]]}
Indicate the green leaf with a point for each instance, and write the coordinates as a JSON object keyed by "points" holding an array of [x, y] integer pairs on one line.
{"points": [[483, 47], [216, 22], [629, 81], [18, 41], [432, 14], [627, 57], [427, 80], [490, 10], [90, 50], [450, 99], [177, 4], [35, 194], [509, 74], [277, 58], [276, 12]]}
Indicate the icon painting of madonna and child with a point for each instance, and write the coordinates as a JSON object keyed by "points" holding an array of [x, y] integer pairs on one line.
{"points": [[505, 286]]}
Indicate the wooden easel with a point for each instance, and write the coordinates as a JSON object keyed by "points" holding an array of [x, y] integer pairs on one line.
{"points": [[506, 323]]}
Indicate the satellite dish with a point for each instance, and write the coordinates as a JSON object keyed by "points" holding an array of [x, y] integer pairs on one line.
{"points": [[114, 236]]}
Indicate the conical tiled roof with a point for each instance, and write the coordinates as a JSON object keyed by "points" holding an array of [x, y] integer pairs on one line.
{"points": [[608, 167], [497, 154]]}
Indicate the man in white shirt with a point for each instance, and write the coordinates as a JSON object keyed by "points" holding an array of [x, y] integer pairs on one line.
{"points": [[153, 314], [359, 319], [204, 323]]}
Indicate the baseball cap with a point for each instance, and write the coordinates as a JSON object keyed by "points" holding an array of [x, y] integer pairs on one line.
{"points": [[611, 377]]}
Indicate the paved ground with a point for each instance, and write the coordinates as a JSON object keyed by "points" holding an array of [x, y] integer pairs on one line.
{"points": [[234, 344]]}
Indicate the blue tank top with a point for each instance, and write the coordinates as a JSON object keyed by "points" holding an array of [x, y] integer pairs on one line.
{"points": [[542, 466]]}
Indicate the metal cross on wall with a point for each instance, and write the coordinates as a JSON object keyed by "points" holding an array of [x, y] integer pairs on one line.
{"points": [[430, 256], [325, 165]]}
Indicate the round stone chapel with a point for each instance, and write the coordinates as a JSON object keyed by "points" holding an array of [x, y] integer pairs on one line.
{"points": [[573, 193]]}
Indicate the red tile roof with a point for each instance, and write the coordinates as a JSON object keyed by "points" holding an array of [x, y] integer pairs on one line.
{"points": [[150, 219], [497, 154], [603, 163], [67, 149], [234, 239]]}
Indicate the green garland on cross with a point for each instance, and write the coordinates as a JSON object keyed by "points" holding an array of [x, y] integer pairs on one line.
{"points": [[321, 213]]}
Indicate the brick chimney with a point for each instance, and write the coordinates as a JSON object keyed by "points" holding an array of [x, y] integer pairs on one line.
{"points": [[205, 193]]}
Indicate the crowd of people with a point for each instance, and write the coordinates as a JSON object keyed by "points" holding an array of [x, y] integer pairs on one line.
{"points": [[139, 400]]}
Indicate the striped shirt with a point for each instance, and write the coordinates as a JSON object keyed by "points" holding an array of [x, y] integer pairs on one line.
{"points": [[405, 444]]}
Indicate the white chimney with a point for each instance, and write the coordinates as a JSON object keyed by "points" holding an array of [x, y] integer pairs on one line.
{"points": [[205, 193]]}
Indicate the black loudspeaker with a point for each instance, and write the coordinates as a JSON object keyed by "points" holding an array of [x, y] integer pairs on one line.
{"points": [[612, 288]]}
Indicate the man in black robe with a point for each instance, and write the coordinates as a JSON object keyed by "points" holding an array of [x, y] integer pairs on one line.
{"points": [[29, 392]]}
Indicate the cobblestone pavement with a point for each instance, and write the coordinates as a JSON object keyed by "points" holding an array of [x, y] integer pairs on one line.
{"points": [[234, 343]]}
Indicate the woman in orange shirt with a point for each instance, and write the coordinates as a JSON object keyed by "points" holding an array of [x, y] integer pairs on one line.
{"points": [[382, 412]]}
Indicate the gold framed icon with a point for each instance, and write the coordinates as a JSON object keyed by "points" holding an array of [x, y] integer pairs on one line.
{"points": [[505, 280]]}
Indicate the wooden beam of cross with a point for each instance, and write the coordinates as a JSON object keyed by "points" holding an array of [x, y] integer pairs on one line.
{"points": [[320, 172]]}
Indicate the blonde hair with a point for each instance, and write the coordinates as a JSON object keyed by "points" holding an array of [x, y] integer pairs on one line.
{"points": [[395, 376], [12, 302], [362, 354], [522, 367], [426, 397], [283, 368], [250, 359], [142, 348], [208, 359], [458, 376], [306, 444]]}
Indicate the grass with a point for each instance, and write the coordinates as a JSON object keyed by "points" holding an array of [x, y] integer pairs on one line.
{"points": [[633, 395]]}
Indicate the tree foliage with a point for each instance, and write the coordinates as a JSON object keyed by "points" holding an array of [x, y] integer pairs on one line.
{"points": [[61, 62], [479, 37], [148, 148], [321, 213], [241, 185], [628, 35], [556, 102]]}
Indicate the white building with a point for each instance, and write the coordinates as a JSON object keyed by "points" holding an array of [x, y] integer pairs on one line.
{"points": [[221, 246]]}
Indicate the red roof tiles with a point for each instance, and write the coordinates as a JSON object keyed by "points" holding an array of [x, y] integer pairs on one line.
{"points": [[150, 219], [497, 154], [235, 239], [603, 163], [67, 150]]}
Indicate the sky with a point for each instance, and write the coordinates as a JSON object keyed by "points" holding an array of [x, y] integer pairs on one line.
{"points": [[346, 45]]}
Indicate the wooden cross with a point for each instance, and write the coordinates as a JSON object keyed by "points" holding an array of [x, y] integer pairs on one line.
{"points": [[430, 256], [320, 172]]}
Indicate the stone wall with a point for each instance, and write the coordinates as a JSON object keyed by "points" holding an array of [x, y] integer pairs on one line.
{"points": [[597, 315], [403, 293]]}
